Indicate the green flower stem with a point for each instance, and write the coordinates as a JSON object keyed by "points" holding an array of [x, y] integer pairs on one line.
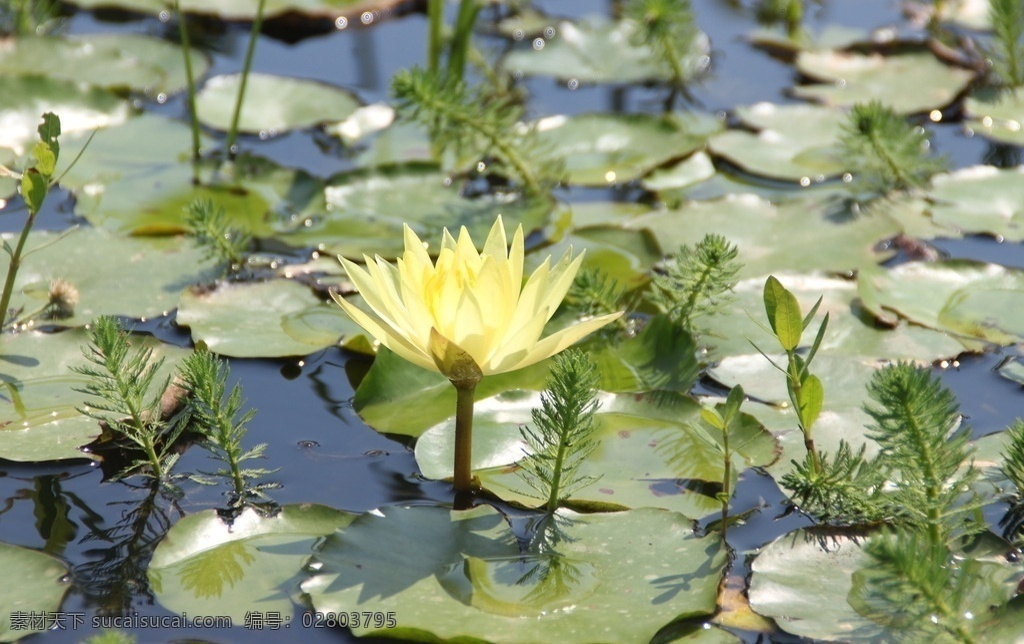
{"points": [[435, 11], [190, 79], [257, 24], [796, 387], [12, 269], [465, 395]]}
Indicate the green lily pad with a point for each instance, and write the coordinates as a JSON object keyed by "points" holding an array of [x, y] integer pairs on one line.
{"points": [[604, 149], [204, 566], [130, 276], [802, 581], [973, 14], [599, 51], [830, 37], [907, 82], [966, 298], [242, 10], [263, 319], [113, 61], [145, 189], [1013, 369], [39, 417], [694, 169], [24, 99], [798, 235], [981, 199], [41, 584], [792, 142], [851, 330], [624, 255], [603, 577], [997, 114], [365, 212], [272, 104]]}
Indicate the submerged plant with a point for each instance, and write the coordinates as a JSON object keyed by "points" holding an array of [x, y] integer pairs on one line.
{"points": [[696, 282], [1007, 50], [217, 416], [120, 381], [466, 316], [725, 419], [668, 28], [468, 120], [594, 293], [561, 438], [210, 229], [884, 152]]}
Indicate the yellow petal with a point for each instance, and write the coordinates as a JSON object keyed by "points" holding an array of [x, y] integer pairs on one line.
{"points": [[385, 335], [561, 340]]}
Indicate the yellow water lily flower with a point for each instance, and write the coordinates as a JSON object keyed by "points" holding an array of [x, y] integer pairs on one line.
{"points": [[466, 303]]}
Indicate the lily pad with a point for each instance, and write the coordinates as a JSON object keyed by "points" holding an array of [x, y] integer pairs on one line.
{"points": [[997, 114], [852, 331], [694, 169], [145, 189], [243, 10], [272, 104], [130, 276], [981, 199], [599, 51], [205, 566], [113, 61], [907, 82], [39, 417], [263, 319], [792, 142], [604, 149], [1013, 369], [798, 235], [597, 579], [365, 212], [966, 298], [41, 584], [24, 99]]}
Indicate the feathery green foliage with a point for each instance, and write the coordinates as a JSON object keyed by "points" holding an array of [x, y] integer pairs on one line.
{"points": [[668, 28], [916, 421], [210, 230], [915, 585], [848, 490], [217, 415], [472, 121], [696, 282], [595, 293], [886, 153], [1007, 49], [1013, 456], [561, 437], [788, 12], [119, 382], [28, 17]]}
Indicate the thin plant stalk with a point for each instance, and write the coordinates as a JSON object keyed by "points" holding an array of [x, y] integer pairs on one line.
{"points": [[13, 266], [468, 10], [191, 98], [435, 16], [463, 476], [257, 24]]}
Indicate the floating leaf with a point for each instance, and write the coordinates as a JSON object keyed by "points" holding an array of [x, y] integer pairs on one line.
{"points": [[1013, 369], [269, 319], [603, 149], [907, 82], [272, 104], [791, 142], [969, 299], [81, 108], [243, 10], [205, 566], [599, 51], [471, 580], [980, 199], [39, 417], [113, 61], [997, 114], [37, 586], [796, 235]]}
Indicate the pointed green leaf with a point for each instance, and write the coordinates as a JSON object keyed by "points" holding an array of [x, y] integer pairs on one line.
{"points": [[812, 395], [33, 189], [46, 159], [783, 313]]}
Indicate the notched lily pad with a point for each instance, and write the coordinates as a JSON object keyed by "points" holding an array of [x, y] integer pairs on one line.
{"points": [[272, 104], [792, 142], [269, 319], [969, 299], [205, 566], [599, 51], [41, 582], [908, 82], [595, 578], [39, 417], [604, 149], [981, 199]]}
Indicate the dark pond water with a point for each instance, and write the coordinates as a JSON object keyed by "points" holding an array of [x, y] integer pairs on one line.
{"points": [[324, 452]]}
